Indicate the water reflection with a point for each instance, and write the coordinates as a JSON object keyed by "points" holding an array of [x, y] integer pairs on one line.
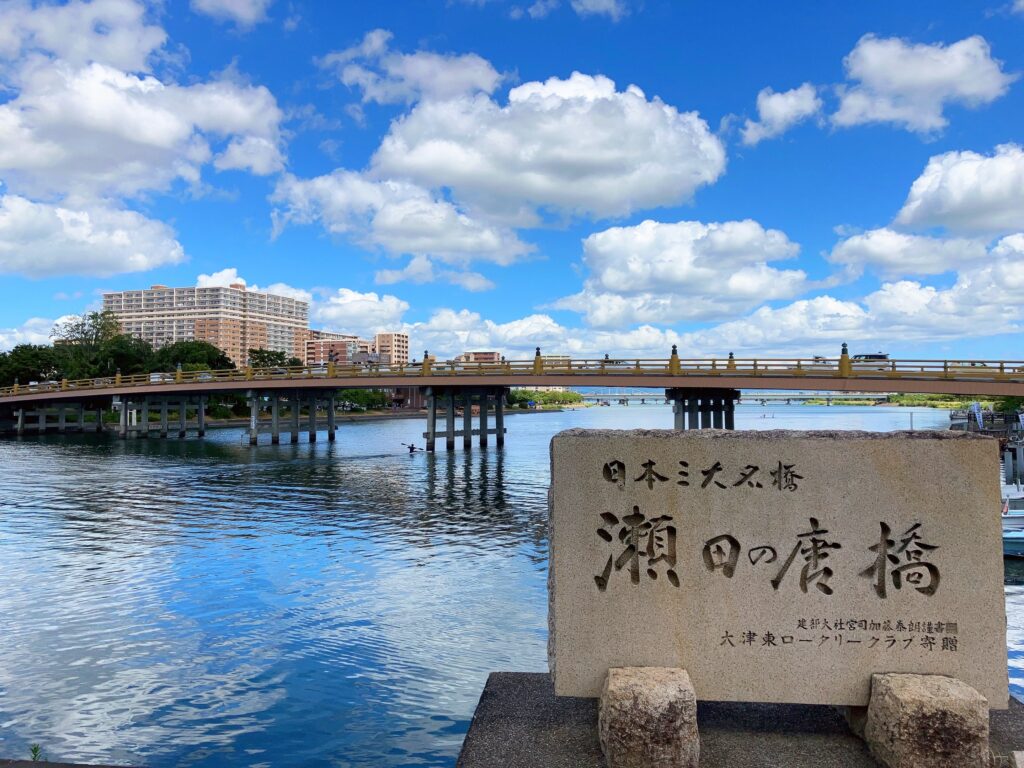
{"points": [[200, 603]]}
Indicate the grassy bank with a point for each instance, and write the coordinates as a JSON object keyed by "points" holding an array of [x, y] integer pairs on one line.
{"points": [[952, 402]]}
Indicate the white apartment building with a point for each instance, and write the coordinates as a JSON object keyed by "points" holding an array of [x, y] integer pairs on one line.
{"points": [[232, 318]]}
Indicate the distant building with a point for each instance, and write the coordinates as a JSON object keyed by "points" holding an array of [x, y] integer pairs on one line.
{"points": [[233, 319], [328, 347], [395, 346], [479, 357]]}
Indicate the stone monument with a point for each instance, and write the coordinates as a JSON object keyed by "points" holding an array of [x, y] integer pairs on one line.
{"points": [[776, 566]]}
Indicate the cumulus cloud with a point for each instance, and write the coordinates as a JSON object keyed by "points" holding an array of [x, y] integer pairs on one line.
{"points": [[614, 9], [778, 112], [96, 130], [42, 240], [986, 299], [112, 32], [244, 13], [969, 192], [229, 276], [911, 84], [421, 270], [688, 270], [363, 313], [35, 330], [389, 77], [574, 146], [395, 215], [895, 254]]}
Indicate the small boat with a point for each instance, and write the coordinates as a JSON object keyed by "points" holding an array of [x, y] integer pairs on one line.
{"points": [[1013, 543]]}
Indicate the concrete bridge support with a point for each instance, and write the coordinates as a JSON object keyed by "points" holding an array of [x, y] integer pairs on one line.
{"points": [[134, 421], [294, 426], [51, 417], [487, 398], [703, 408]]}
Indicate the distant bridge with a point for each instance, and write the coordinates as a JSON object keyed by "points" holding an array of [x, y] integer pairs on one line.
{"points": [[759, 397], [704, 391]]}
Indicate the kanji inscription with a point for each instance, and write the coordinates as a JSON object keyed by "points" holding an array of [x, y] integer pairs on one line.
{"points": [[766, 563]]}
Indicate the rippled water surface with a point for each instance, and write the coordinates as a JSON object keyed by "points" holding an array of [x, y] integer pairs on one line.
{"points": [[201, 603]]}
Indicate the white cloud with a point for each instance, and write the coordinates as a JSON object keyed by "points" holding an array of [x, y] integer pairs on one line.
{"points": [[911, 84], [1018, 6], [969, 192], [689, 270], [35, 330], [778, 112], [895, 254], [575, 146], [986, 299], [421, 270], [224, 278], [97, 130], [395, 215], [41, 240], [244, 13], [388, 77], [229, 276], [363, 313], [112, 32], [615, 9]]}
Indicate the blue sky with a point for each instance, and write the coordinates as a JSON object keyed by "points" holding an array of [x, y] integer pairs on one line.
{"points": [[589, 176]]}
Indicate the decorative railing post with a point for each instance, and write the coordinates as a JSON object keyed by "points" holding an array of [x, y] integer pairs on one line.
{"points": [[330, 369], [117, 377], [248, 372], [730, 364], [63, 383], [845, 369], [538, 363], [178, 375], [15, 386], [673, 361], [425, 370]]}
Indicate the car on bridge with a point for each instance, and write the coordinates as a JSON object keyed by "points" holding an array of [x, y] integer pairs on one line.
{"points": [[876, 361]]}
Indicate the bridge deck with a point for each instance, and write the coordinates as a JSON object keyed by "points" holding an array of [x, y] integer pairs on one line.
{"points": [[990, 378]]}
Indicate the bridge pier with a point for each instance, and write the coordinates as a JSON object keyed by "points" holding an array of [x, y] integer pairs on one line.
{"points": [[200, 417], [331, 416], [144, 422], [446, 397], [275, 419], [163, 417], [295, 407], [703, 408], [312, 418]]}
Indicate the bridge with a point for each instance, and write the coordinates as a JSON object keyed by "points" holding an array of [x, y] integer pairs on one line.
{"points": [[624, 398], [703, 391]]}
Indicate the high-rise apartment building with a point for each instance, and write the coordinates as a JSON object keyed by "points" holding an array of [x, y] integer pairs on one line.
{"points": [[395, 346], [232, 318]]}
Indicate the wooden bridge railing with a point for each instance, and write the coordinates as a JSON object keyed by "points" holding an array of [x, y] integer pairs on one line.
{"points": [[408, 374]]}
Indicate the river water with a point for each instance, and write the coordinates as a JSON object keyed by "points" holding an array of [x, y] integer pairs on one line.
{"points": [[201, 603]]}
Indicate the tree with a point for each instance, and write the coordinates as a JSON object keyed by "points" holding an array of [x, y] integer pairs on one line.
{"points": [[91, 329], [31, 362], [267, 358], [1009, 404], [124, 353], [192, 355]]}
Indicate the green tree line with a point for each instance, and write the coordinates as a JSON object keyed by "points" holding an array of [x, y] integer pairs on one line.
{"points": [[92, 346]]}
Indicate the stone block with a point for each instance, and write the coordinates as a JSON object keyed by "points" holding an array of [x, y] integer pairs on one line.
{"points": [[776, 566], [926, 721], [648, 719]]}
